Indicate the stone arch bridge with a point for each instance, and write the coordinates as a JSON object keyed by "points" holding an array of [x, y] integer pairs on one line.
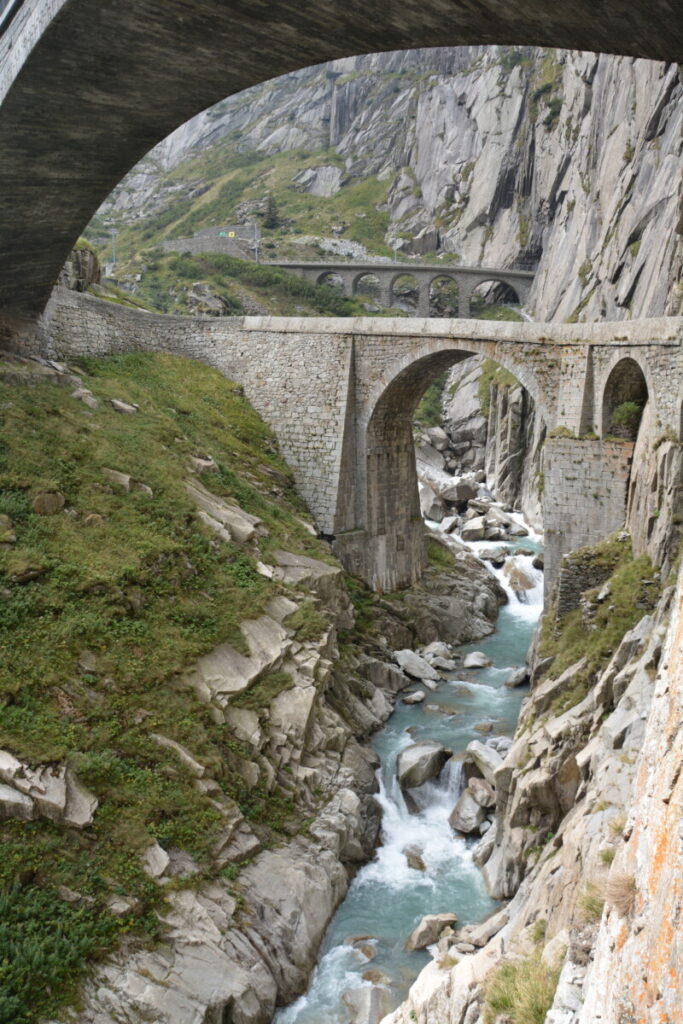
{"points": [[424, 274], [340, 396], [87, 87]]}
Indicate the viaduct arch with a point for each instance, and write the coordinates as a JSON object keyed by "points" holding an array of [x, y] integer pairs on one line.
{"points": [[424, 274], [107, 79]]}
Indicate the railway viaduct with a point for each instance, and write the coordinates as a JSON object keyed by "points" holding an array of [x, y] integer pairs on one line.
{"points": [[423, 274]]}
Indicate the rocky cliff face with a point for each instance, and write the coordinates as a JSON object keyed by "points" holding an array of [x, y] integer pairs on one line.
{"points": [[495, 155], [570, 852], [492, 423]]}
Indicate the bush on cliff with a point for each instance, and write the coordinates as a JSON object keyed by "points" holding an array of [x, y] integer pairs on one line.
{"points": [[520, 990]]}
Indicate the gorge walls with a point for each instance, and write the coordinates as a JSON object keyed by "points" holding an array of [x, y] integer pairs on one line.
{"points": [[493, 155]]}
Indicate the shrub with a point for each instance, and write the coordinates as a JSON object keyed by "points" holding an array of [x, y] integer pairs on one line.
{"points": [[591, 902], [621, 894], [522, 990], [627, 415]]}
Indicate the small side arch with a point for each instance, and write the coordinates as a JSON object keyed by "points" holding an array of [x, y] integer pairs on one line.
{"points": [[624, 398], [492, 291], [331, 279]]}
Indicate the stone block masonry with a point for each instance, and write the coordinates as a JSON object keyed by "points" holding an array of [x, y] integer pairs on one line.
{"points": [[340, 393], [585, 484]]}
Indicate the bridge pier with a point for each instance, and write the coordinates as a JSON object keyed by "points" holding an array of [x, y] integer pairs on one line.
{"points": [[464, 296], [385, 291], [423, 308]]}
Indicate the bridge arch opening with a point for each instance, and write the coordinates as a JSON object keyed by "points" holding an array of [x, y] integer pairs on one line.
{"points": [[366, 287], [624, 400], [444, 296], [405, 292], [490, 297], [332, 280], [394, 532]]}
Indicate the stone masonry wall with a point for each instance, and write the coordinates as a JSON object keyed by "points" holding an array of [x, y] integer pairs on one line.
{"points": [[585, 485], [334, 391]]}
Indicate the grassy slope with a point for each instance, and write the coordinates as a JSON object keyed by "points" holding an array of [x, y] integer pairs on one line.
{"points": [[231, 178], [634, 590], [167, 280], [146, 590]]}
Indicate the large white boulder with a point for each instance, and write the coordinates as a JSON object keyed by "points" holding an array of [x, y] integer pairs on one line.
{"points": [[485, 758], [415, 666], [468, 814], [429, 929], [419, 763], [476, 659], [474, 529]]}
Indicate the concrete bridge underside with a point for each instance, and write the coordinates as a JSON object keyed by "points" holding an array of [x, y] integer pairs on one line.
{"points": [[340, 395], [87, 87], [424, 275]]}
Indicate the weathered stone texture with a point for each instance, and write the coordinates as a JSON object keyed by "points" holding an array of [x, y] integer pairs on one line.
{"points": [[340, 395], [585, 484]]}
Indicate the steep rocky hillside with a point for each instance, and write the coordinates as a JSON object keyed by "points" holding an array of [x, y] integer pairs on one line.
{"points": [[493, 155], [185, 676]]}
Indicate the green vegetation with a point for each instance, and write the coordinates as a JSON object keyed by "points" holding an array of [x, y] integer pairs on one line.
{"points": [[481, 310], [627, 415], [591, 902], [493, 375], [231, 178], [168, 280], [428, 412], [260, 695], [307, 622], [439, 556], [521, 990], [546, 95], [103, 605], [633, 593]]}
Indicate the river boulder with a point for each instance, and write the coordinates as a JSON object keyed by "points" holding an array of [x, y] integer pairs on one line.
{"points": [[416, 697], [415, 666], [476, 659], [518, 678], [419, 763], [468, 814], [483, 792], [428, 930], [474, 529], [484, 758]]}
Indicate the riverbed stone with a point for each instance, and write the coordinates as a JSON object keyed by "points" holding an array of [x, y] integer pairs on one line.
{"points": [[485, 758], [437, 649], [428, 930], [416, 697], [474, 529], [419, 763], [483, 792], [476, 659], [415, 666], [519, 677], [468, 814]]}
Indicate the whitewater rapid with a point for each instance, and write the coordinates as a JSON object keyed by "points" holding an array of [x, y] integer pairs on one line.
{"points": [[364, 944]]}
